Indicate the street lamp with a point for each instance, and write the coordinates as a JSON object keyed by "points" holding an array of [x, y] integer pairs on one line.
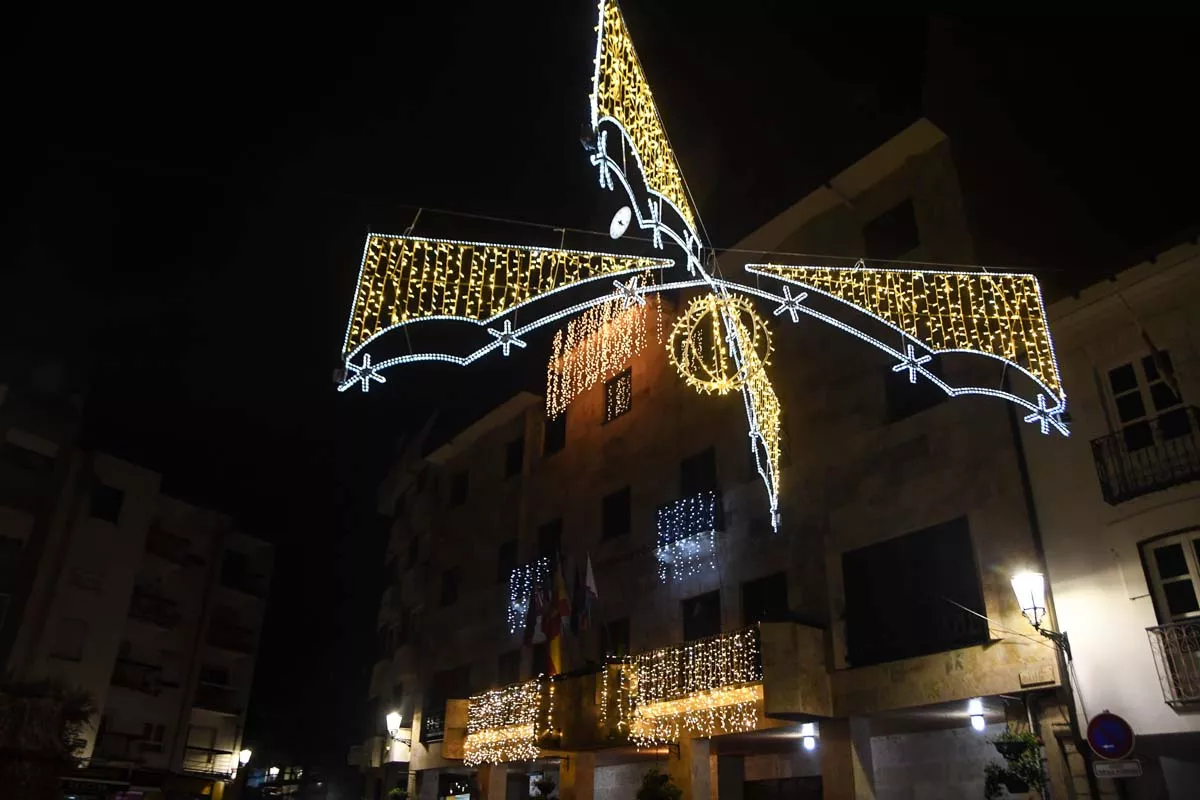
{"points": [[393, 724], [244, 757], [1030, 589]]}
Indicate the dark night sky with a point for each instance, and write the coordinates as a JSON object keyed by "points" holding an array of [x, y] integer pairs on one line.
{"points": [[190, 191]]}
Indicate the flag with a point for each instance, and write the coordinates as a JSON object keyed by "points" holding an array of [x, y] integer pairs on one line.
{"points": [[534, 628], [577, 603], [557, 616], [590, 596]]}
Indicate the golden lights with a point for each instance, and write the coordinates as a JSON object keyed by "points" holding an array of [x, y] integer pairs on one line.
{"points": [[406, 278], [502, 725], [594, 347], [622, 92], [699, 344], [997, 314]]}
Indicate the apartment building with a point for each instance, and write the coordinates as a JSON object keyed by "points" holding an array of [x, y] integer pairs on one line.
{"points": [[879, 621], [149, 604], [1119, 510]]}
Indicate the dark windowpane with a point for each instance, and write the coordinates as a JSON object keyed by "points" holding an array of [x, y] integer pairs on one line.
{"points": [[1137, 435], [554, 434], [510, 668], [514, 457], [698, 473], [458, 489], [618, 395], [702, 616], [1174, 424], [1130, 407], [616, 637], [1122, 379], [893, 233], [1171, 561], [1162, 396], [1150, 364], [541, 658], [905, 398], [450, 586], [615, 514], [765, 599], [1181, 597], [549, 538], [507, 560], [898, 593], [106, 502]]}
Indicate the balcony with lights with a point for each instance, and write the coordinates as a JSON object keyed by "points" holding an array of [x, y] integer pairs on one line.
{"points": [[1149, 456]]}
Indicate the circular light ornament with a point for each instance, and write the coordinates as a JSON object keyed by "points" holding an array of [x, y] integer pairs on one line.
{"points": [[700, 349], [620, 222]]}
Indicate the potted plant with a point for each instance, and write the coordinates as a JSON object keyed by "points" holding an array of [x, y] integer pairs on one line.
{"points": [[545, 788], [1022, 769], [1011, 744], [658, 786]]}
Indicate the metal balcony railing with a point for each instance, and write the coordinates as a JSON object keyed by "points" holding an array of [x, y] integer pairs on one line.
{"points": [[207, 761], [1176, 649], [1149, 456], [137, 676], [221, 699]]}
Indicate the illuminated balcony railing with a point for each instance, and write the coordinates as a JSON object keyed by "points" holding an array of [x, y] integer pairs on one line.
{"points": [[1176, 649], [505, 724], [1149, 456]]}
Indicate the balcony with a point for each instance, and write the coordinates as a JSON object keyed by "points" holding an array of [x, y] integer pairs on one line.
{"points": [[1149, 456], [150, 606], [113, 746], [167, 546], [207, 761], [232, 637], [1176, 649], [221, 699], [146, 678]]}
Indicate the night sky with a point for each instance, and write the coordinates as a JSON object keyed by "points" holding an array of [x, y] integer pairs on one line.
{"points": [[190, 189]]}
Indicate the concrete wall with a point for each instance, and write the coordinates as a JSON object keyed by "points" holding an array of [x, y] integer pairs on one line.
{"points": [[936, 765]]}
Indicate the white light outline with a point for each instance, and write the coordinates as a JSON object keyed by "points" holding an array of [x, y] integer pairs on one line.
{"points": [[651, 264], [363, 373], [698, 511]]}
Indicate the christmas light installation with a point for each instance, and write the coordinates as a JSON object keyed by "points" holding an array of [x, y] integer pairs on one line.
{"points": [[687, 537], [522, 582], [502, 724], [701, 344], [618, 394], [617, 688], [595, 346], [703, 688]]}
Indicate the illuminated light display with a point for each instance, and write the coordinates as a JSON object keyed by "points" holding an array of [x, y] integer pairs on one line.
{"points": [[621, 93], [595, 346], [616, 688], [705, 688], [409, 278], [687, 538], [1000, 315], [701, 342], [521, 583], [502, 725], [766, 424]]}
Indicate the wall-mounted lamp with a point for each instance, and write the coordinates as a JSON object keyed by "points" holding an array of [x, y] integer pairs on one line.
{"points": [[808, 736], [975, 710], [244, 757], [1030, 589], [273, 772]]}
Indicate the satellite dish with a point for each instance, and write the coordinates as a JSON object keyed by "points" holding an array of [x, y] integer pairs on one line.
{"points": [[620, 222]]}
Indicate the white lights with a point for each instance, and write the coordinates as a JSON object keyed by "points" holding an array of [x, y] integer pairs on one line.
{"points": [[244, 757], [502, 724], [393, 723], [808, 736], [977, 722], [521, 583], [687, 540], [1030, 589], [273, 772], [975, 712]]}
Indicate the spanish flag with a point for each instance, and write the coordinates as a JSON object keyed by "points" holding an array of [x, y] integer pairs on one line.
{"points": [[558, 617]]}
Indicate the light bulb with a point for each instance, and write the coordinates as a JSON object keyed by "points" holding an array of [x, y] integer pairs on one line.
{"points": [[977, 722]]}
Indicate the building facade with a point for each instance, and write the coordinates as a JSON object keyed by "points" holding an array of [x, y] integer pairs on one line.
{"points": [[1119, 509], [150, 605], [880, 619]]}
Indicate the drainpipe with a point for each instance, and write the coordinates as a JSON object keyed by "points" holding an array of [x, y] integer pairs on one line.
{"points": [[1035, 530]]}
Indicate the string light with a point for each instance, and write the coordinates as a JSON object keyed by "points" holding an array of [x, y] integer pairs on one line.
{"points": [[521, 582], [593, 347], [699, 344], [502, 725], [1001, 315], [687, 539], [707, 687], [408, 278], [763, 412], [620, 92]]}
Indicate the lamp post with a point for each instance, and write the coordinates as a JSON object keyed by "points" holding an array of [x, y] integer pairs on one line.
{"points": [[1030, 589]]}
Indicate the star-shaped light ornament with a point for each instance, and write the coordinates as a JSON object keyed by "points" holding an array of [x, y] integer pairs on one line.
{"points": [[632, 293], [912, 363], [1047, 418], [506, 337], [791, 305], [364, 374]]}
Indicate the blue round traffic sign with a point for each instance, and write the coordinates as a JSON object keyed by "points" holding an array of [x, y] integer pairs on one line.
{"points": [[1110, 736]]}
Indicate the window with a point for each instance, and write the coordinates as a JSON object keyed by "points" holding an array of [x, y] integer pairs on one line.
{"points": [[541, 658], [106, 502], [554, 434], [701, 616], [765, 599], [899, 593], [458, 489], [1145, 389], [69, 638], [152, 734], [893, 233], [615, 637], [550, 538], [506, 562], [510, 668], [514, 457], [615, 514], [450, 586], [698, 473], [618, 394], [905, 398], [1173, 566]]}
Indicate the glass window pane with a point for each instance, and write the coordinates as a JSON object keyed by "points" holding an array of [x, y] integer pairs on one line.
{"points": [[1170, 560], [1163, 396], [1150, 364], [1137, 436], [1130, 407], [1174, 424], [1181, 597], [1122, 379]]}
